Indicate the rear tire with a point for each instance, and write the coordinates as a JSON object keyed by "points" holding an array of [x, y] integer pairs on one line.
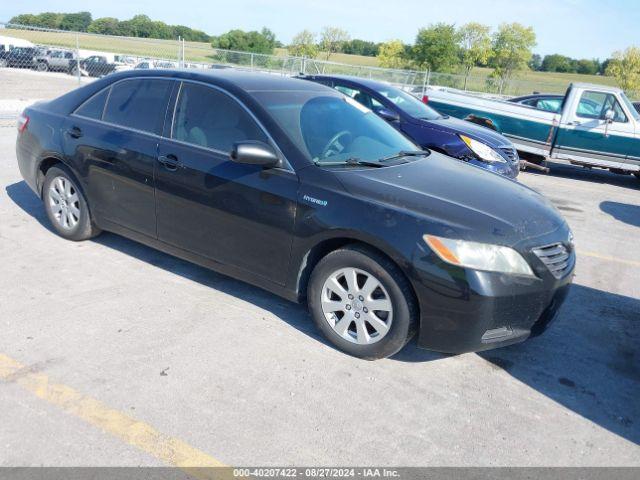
{"points": [[42, 66], [3, 63], [66, 205], [362, 302]]}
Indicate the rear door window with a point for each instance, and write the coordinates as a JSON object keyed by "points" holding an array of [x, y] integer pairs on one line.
{"points": [[139, 104], [94, 107], [210, 118]]}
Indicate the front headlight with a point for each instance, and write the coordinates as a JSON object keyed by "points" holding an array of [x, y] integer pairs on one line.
{"points": [[479, 256], [484, 152]]}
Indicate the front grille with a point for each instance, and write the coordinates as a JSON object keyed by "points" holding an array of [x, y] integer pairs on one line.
{"points": [[509, 152], [556, 257]]}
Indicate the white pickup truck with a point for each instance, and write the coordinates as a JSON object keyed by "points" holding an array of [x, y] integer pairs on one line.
{"points": [[597, 126]]}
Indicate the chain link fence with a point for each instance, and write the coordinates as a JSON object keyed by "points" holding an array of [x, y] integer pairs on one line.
{"points": [[85, 56]]}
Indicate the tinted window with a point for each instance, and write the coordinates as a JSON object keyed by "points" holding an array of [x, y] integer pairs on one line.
{"points": [[94, 107], [209, 118], [139, 104]]}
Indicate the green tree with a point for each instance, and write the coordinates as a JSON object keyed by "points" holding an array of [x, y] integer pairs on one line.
{"points": [[257, 42], [391, 54], [360, 47], [304, 44], [475, 47], [332, 39], [588, 67], [76, 22], [625, 68], [558, 63], [104, 26], [511, 46], [436, 47], [536, 62]]}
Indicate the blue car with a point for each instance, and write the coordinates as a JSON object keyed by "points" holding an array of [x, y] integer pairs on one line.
{"points": [[426, 127]]}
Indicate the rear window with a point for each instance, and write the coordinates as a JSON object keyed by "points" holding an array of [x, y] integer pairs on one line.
{"points": [[139, 104], [93, 107]]}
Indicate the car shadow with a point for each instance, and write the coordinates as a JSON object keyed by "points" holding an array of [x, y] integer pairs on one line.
{"points": [[593, 175], [588, 361], [622, 212]]}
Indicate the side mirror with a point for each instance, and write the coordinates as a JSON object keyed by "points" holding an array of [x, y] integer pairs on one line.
{"points": [[609, 115], [388, 115], [253, 152]]}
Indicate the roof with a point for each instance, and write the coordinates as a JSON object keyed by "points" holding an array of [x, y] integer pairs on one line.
{"points": [[245, 80], [595, 86]]}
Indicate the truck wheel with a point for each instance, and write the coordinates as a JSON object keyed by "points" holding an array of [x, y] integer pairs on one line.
{"points": [[362, 303], [42, 66], [637, 174], [66, 205]]}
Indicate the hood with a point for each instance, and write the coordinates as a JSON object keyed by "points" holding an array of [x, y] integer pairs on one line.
{"points": [[458, 200], [477, 132]]}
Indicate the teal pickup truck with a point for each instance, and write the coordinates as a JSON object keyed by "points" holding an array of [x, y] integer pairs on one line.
{"points": [[597, 126]]}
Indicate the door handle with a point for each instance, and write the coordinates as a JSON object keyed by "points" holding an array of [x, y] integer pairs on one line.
{"points": [[74, 132], [170, 162]]}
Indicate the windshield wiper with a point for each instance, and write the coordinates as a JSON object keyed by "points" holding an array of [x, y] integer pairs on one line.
{"points": [[405, 153], [349, 161]]}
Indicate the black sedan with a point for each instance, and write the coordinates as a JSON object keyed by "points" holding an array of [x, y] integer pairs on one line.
{"points": [[298, 189]]}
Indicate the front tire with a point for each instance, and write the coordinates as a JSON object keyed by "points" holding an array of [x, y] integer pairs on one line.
{"points": [[362, 303], [66, 206], [42, 66]]}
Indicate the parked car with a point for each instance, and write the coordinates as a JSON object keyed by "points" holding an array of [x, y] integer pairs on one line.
{"points": [[55, 60], [298, 189], [98, 66], [427, 127], [597, 125], [19, 57], [148, 64]]}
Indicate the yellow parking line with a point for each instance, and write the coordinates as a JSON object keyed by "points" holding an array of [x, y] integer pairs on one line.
{"points": [[632, 263], [171, 451]]}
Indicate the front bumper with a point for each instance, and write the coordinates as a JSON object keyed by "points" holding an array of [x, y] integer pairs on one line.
{"points": [[467, 310]]}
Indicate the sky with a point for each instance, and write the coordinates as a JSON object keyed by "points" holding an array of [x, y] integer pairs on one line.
{"points": [[577, 28]]}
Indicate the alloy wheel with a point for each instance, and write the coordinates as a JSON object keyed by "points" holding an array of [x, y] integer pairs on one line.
{"points": [[64, 202], [357, 306]]}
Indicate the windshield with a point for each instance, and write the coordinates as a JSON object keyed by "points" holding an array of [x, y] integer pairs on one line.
{"points": [[330, 129], [410, 104], [630, 107]]}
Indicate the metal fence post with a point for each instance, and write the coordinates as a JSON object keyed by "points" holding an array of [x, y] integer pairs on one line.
{"points": [[251, 60], [183, 59], [78, 59]]}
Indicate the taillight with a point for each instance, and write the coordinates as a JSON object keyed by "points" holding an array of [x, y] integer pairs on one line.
{"points": [[23, 121], [425, 99]]}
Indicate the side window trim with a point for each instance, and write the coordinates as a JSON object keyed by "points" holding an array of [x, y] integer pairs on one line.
{"points": [[287, 165]]}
